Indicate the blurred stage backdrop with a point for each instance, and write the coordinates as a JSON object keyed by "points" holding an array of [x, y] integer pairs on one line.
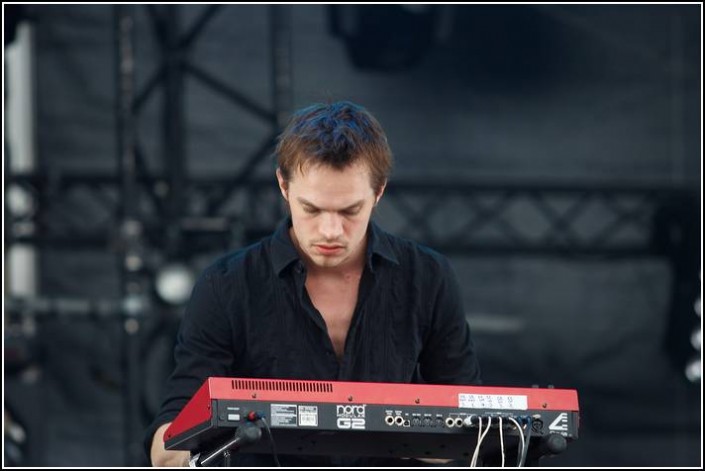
{"points": [[552, 152]]}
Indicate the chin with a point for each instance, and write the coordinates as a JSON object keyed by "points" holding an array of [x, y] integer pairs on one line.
{"points": [[327, 262]]}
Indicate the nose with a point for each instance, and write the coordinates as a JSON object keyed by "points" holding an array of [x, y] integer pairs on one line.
{"points": [[331, 226]]}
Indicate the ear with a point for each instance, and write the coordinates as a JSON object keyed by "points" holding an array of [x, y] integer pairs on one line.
{"points": [[283, 186], [381, 192]]}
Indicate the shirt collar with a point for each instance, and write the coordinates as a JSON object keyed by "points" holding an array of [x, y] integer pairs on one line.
{"points": [[378, 243], [284, 253]]}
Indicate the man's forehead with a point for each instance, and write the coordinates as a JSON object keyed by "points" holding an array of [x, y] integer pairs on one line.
{"points": [[312, 170]]}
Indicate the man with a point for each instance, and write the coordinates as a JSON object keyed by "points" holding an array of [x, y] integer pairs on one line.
{"points": [[330, 295]]}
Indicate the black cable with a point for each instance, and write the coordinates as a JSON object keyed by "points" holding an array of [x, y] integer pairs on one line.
{"points": [[271, 441]]}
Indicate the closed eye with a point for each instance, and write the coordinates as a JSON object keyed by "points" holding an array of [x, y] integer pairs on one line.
{"points": [[350, 212]]}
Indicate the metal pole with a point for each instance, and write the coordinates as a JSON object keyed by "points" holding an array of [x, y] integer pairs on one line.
{"points": [[20, 153], [282, 77], [130, 257], [173, 132]]}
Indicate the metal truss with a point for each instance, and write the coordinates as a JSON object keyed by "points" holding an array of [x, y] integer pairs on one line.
{"points": [[170, 76], [456, 218], [539, 219], [128, 212]]}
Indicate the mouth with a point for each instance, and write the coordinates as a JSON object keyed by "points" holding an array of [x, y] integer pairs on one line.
{"points": [[328, 249]]}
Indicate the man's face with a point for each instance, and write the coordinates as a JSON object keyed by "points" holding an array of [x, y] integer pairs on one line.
{"points": [[330, 211]]}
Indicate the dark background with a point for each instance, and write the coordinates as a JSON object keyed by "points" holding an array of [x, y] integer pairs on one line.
{"points": [[553, 152]]}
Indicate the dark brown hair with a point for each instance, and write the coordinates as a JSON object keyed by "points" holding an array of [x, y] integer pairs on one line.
{"points": [[337, 134]]}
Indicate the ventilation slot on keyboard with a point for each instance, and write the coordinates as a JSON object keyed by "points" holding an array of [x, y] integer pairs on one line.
{"points": [[274, 385]]}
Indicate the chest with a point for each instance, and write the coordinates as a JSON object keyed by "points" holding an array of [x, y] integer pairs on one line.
{"points": [[336, 301]]}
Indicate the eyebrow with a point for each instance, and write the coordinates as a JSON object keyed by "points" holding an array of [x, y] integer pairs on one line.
{"points": [[347, 208]]}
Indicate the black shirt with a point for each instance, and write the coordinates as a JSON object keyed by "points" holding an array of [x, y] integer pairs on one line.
{"points": [[250, 316]]}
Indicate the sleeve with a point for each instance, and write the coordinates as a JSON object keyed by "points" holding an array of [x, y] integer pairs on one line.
{"points": [[204, 348], [448, 355]]}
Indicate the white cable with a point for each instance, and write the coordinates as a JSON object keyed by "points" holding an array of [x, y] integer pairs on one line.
{"points": [[489, 423], [501, 439], [521, 433], [477, 445], [479, 442]]}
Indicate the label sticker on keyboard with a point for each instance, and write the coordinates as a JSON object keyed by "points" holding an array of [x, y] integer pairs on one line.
{"points": [[308, 416], [283, 415], [492, 401]]}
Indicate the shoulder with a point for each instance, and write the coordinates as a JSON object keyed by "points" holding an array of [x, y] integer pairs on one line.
{"points": [[244, 262], [416, 256]]}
